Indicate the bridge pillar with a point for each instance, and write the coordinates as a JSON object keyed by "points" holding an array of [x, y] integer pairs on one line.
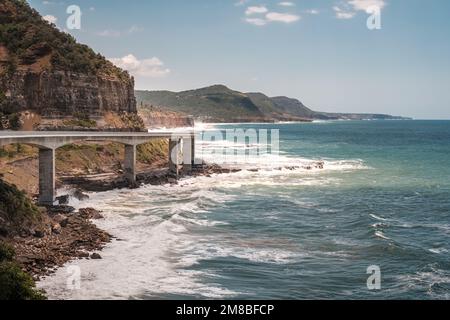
{"points": [[174, 155], [47, 190], [130, 163], [188, 153]]}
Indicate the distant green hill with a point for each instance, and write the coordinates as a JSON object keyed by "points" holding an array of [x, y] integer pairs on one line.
{"points": [[221, 104], [216, 103]]}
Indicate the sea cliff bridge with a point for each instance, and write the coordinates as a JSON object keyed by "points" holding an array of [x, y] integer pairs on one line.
{"points": [[181, 151]]}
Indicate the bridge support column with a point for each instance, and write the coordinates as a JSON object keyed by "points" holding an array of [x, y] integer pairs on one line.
{"points": [[130, 163], [47, 190], [188, 153], [174, 155]]}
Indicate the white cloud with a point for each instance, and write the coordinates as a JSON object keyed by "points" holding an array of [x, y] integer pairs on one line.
{"points": [[260, 15], [50, 18], [343, 14], [109, 33], [348, 9], [51, 3], [257, 21], [241, 2], [312, 11], [286, 4], [135, 28], [282, 17], [151, 68], [255, 10], [363, 5], [116, 33]]}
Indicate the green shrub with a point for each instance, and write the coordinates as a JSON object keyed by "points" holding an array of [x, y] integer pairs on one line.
{"points": [[15, 205], [14, 283], [14, 121], [80, 120], [83, 123], [6, 252]]}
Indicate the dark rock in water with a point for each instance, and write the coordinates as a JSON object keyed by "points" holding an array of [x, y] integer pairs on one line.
{"points": [[83, 255], [63, 209], [90, 213], [80, 195], [96, 256], [320, 165], [134, 185], [172, 181], [63, 200]]}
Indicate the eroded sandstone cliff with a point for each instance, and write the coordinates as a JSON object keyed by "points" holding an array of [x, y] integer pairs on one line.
{"points": [[155, 117], [65, 93]]}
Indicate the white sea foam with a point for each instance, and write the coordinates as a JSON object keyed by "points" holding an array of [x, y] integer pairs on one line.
{"points": [[438, 250], [381, 235], [378, 218], [427, 280], [146, 260]]}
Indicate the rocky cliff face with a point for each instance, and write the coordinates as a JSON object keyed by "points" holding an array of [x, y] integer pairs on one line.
{"points": [[154, 118], [65, 93]]}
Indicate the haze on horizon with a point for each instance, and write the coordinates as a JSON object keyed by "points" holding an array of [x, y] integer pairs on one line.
{"points": [[318, 51]]}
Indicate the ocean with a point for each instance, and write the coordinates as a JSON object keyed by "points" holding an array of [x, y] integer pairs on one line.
{"points": [[382, 199]]}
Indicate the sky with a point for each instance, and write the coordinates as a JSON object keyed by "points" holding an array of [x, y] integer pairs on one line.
{"points": [[321, 52]]}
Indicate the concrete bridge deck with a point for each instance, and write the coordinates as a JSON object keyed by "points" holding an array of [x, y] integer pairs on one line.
{"points": [[181, 151]]}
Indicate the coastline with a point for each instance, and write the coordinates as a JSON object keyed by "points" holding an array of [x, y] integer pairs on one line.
{"points": [[76, 236], [68, 234]]}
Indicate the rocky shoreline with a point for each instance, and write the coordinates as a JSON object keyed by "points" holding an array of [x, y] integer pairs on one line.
{"points": [[102, 183], [69, 234]]}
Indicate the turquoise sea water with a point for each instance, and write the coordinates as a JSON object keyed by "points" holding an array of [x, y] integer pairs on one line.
{"points": [[383, 198]]}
